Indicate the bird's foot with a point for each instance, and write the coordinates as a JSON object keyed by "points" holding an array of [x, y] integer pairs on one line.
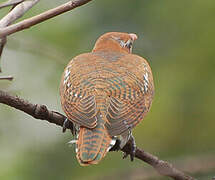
{"points": [[65, 125], [130, 148], [68, 124], [116, 146]]}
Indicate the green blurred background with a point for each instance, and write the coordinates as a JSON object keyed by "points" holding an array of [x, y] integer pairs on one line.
{"points": [[176, 37]]}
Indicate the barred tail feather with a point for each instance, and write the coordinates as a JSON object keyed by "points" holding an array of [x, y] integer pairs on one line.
{"points": [[92, 144]]}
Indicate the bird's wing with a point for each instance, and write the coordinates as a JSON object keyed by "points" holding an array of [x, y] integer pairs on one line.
{"points": [[76, 98], [132, 97]]}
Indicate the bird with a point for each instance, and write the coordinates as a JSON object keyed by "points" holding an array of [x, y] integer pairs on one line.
{"points": [[105, 93]]}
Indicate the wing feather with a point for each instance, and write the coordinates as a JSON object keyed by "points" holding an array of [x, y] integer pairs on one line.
{"points": [[136, 89]]}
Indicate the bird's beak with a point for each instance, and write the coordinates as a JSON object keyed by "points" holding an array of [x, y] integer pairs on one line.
{"points": [[133, 36]]}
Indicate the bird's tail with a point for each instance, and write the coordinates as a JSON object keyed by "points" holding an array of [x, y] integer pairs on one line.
{"points": [[93, 143]]}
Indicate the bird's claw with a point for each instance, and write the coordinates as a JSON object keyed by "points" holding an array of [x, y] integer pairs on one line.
{"points": [[132, 149], [116, 146], [131, 153], [67, 124], [130, 146], [64, 125]]}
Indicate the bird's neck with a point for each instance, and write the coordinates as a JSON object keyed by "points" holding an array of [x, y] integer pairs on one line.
{"points": [[108, 46]]}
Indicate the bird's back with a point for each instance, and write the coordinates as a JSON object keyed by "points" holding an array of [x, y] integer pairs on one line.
{"points": [[106, 94]]}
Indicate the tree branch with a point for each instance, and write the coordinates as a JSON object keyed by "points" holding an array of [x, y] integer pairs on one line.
{"points": [[41, 17], [10, 78], [36, 110], [162, 167], [41, 112], [16, 12], [10, 3], [20, 7]]}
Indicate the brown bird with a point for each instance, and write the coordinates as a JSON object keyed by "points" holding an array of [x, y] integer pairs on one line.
{"points": [[106, 93]]}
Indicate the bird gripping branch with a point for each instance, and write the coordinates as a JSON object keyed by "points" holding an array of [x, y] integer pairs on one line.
{"points": [[106, 93]]}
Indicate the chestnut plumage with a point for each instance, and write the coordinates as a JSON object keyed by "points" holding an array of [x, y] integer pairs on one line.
{"points": [[106, 93]]}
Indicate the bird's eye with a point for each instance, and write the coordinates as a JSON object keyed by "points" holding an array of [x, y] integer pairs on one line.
{"points": [[129, 44]]}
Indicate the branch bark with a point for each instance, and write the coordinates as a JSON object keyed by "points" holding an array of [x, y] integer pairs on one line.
{"points": [[36, 110], [17, 12], [10, 3], [10, 78], [19, 9], [41, 17], [41, 112]]}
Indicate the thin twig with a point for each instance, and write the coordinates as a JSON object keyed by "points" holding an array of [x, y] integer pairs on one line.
{"points": [[16, 12], [36, 110], [10, 78], [41, 112], [41, 17], [196, 164], [10, 3], [162, 167], [2, 44]]}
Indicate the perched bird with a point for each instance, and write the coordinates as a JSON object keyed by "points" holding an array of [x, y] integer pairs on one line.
{"points": [[106, 93]]}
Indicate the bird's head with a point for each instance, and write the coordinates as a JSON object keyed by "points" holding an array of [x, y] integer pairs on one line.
{"points": [[115, 41]]}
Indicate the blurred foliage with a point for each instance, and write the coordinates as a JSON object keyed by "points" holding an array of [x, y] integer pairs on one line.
{"points": [[177, 37]]}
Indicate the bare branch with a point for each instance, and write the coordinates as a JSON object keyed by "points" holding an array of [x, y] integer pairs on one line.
{"points": [[10, 3], [13, 15], [41, 17], [21, 8], [2, 44], [41, 112], [17, 12], [162, 167], [37, 111], [10, 78], [196, 164]]}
